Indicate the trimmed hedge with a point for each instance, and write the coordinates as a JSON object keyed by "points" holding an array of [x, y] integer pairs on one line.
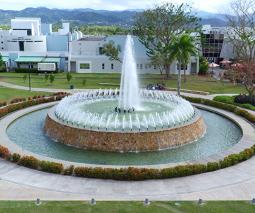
{"points": [[51, 167], [228, 107], [29, 161], [131, 173], [4, 152]]}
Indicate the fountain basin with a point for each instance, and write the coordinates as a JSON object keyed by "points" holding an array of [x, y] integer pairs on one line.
{"points": [[124, 141], [88, 121]]}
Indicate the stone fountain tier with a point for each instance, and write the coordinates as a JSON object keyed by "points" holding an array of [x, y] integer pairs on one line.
{"points": [[124, 141]]}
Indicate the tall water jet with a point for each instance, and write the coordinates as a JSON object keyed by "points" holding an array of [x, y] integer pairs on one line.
{"points": [[129, 89]]}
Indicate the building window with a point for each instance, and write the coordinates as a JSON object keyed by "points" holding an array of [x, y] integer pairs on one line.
{"points": [[112, 66], [102, 66], [29, 32], [21, 45], [101, 50], [141, 66], [137, 66], [85, 66], [155, 67]]}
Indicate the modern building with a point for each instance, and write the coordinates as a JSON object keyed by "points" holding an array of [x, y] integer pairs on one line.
{"points": [[30, 43], [86, 56], [215, 45]]}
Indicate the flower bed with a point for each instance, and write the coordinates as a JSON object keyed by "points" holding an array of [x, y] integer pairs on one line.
{"points": [[131, 173]]}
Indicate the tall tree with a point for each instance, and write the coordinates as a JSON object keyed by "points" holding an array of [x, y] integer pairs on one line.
{"points": [[157, 28], [240, 33], [184, 46], [241, 29]]}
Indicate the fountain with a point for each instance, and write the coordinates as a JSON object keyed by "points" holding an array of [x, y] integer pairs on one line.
{"points": [[129, 90], [128, 119]]}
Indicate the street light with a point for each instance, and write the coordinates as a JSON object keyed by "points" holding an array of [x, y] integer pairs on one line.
{"points": [[29, 77]]}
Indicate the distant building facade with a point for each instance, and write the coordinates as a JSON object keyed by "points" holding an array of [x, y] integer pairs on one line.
{"points": [[215, 45], [30, 42], [86, 56]]}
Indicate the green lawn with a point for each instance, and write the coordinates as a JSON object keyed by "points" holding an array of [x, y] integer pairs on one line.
{"points": [[126, 207], [7, 94], [103, 80]]}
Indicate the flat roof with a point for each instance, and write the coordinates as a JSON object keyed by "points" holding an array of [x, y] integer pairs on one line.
{"points": [[38, 59], [5, 58], [29, 59]]}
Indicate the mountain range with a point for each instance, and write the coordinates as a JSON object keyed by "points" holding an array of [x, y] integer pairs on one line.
{"points": [[89, 16]]}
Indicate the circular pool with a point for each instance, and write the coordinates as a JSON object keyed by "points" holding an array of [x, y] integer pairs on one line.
{"points": [[27, 132]]}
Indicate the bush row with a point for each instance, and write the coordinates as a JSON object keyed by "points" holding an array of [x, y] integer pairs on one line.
{"points": [[131, 173], [228, 107], [31, 101], [4, 103]]}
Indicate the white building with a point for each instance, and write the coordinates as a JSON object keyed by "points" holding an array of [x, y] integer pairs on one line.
{"points": [[86, 56], [30, 42]]}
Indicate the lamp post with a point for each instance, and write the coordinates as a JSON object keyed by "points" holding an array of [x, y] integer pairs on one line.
{"points": [[29, 78]]}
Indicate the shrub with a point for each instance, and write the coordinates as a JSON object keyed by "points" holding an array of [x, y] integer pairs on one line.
{"points": [[4, 152], [51, 167], [29, 161], [15, 157], [25, 70], [3, 104], [245, 99], [69, 170], [212, 166]]}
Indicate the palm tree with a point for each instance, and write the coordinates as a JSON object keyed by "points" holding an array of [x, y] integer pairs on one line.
{"points": [[183, 48]]}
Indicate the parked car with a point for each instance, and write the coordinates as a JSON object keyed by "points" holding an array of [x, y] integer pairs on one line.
{"points": [[155, 87]]}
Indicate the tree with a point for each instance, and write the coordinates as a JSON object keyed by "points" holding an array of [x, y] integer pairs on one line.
{"points": [[24, 78], [183, 47], [241, 24], [69, 77], [157, 28], [1, 62], [240, 35], [203, 66], [46, 77], [111, 51], [52, 78]]}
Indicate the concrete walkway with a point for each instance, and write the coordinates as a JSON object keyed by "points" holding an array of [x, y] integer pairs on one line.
{"points": [[19, 183]]}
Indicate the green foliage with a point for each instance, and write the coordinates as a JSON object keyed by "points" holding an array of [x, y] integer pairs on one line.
{"points": [[52, 78], [25, 70], [24, 78], [102, 30], [69, 77], [111, 51], [230, 100], [203, 66], [84, 82], [51, 167], [46, 77], [157, 29], [15, 157], [183, 47], [29, 161], [1, 62]]}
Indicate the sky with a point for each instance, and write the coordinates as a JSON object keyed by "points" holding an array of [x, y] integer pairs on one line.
{"points": [[215, 6]]}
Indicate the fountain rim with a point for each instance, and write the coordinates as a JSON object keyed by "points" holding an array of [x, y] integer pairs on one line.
{"points": [[244, 142], [195, 117]]}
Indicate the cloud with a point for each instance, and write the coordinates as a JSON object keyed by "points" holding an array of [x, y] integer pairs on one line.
{"points": [[210, 6]]}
